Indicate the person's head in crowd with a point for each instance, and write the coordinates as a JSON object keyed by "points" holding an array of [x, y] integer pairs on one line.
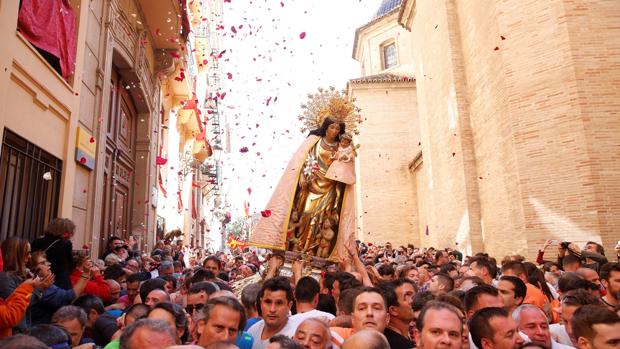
{"points": [[532, 321], [512, 290], [370, 310], [22, 341], [533, 345], [307, 294], [345, 302], [594, 247], [386, 271], [449, 269], [73, 320], [92, 306], [571, 301], [596, 327], [342, 281], [155, 297], [480, 297], [166, 268], [53, 336], [439, 325], [132, 265], [366, 339], [111, 259], [419, 301], [38, 260], [133, 313], [276, 299], [174, 315], [610, 279], [441, 258], [133, 285], [493, 328], [572, 281], [551, 267], [224, 319], [115, 290], [178, 267], [117, 273], [410, 272], [282, 342], [15, 256], [469, 282], [116, 245], [202, 274], [514, 268], [171, 283], [589, 274], [198, 296], [223, 293], [313, 334], [571, 263], [214, 345], [483, 268], [212, 264], [399, 295], [440, 284], [249, 295], [149, 285], [148, 333], [452, 299], [60, 227], [327, 303]]}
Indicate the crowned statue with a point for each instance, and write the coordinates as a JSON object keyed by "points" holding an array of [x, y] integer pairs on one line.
{"points": [[312, 209]]}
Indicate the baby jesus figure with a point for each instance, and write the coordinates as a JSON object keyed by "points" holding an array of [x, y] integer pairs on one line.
{"points": [[343, 167]]}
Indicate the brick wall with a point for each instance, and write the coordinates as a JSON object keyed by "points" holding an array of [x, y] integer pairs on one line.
{"points": [[520, 143], [389, 142]]}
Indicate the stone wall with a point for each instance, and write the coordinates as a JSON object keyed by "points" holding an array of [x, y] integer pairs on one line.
{"points": [[518, 106], [389, 142]]}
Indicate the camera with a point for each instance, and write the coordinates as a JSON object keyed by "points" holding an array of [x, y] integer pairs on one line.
{"points": [[564, 244]]}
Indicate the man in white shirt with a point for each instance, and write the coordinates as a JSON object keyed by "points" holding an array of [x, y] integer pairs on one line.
{"points": [[307, 298], [533, 322], [276, 299]]}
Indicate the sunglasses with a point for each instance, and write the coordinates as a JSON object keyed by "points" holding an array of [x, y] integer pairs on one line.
{"points": [[190, 308]]}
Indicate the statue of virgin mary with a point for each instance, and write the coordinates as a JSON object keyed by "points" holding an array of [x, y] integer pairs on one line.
{"points": [[309, 213]]}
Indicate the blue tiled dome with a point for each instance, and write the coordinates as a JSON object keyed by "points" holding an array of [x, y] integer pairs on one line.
{"points": [[387, 6]]}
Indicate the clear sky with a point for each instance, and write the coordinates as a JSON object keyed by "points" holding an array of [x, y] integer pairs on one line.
{"points": [[266, 60]]}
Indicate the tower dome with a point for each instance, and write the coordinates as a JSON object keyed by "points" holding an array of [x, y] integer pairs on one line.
{"points": [[387, 6]]}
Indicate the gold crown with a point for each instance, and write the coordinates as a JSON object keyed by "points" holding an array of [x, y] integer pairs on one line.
{"points": [[329, 103]]}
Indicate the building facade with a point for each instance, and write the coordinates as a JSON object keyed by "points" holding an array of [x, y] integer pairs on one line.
{"points": [[516, 113], [82, 124]]}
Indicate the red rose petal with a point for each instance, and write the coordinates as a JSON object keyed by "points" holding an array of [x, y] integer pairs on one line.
{"points": [[302, 35], [249, 190], [82, 160], [92, 139], [243, 150], [265, 213], [496, 48]]}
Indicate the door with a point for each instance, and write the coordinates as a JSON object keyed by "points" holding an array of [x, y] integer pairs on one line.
{"points": [[119, 163]]}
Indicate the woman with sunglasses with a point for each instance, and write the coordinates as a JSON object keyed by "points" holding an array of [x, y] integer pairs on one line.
{"points": [[54, 297], [16, 254]]}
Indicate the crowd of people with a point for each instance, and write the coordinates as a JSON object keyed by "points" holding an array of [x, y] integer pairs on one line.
{"points": [[52, 296]]}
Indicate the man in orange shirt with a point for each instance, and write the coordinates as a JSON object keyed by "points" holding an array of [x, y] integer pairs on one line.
{"points": [[533, 294]]}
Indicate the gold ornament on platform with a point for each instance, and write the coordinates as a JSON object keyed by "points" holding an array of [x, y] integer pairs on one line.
{"points": [[329, 103]]}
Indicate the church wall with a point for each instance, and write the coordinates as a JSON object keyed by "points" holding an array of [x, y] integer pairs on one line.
{"points": [[520, 135], [532, 98], [387, 193], [450, 181]]}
